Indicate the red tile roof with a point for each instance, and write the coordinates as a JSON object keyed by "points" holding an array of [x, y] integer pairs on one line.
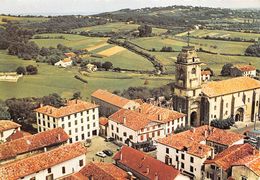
{"points": [[145, 164], [73, 106], [133, 120], [205, 73], [192, 139], [103, 121], [7, 125], [158, 113], [17, 134], [111, 98], [70, 54], [245, 67], [99, 171], [33, 164], [241, 154], [31, 143], [229, 86]]}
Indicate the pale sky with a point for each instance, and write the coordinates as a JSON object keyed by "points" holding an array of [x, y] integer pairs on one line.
{"points": [[55, 7]]}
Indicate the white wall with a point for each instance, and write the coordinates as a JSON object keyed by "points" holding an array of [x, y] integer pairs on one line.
{"points": [[75, 126], [5, 134], [71, 166]]}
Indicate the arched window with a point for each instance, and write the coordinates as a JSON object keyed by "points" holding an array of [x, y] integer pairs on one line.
{"points": [[181, 74], [193, 71]]}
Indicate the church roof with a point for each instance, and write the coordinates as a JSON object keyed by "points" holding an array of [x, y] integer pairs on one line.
{"points": [[229, 86]]}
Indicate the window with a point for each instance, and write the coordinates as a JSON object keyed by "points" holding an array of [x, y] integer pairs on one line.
{"points": [[191, 169], [76, 122], [226, 113], [63, 170], [63, 126], [87, 118], [62, 119], [215, 107], [76, 130], [194, 93], [94, 117], [33, 178], [69, 124], [153, 134], [142, 137], [182, 165], [248, 99], [49, 125], [82, 136], [82, 128], [94, 125], [193, 71], [81, 162], [49, 170], [43, 123], [75, 115], [158, 133], [191, 159], [182, 156], [81, 113], [69, 117], [81, 120], [256, 103], [177, 158], [69, 132], [227, 105], [125, 134], [117, 130], [88, 126], [215, 99], [54, 125], [112, 127], [167, 150], [238, 94], [131, 137], [77, 138]]}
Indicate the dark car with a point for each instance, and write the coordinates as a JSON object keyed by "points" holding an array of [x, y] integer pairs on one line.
{"points": [[109, 139], [108, 152], [149, 148]]}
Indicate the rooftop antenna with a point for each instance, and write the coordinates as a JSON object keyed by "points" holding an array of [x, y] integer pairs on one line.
{"points": [[188, 38]]}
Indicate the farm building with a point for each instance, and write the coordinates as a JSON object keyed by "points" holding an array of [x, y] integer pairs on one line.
{"points": [[64, 63], [243, 70]]}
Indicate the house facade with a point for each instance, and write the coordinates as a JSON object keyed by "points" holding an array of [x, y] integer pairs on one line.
{"points": [[188, 150], [205, 75], [143, 166], [79, 119], [64, 63], [243, 70], [110, 103], [237, 98], [7, 128], [49, 165]]}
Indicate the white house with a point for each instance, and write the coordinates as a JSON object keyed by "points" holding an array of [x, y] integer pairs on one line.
{"points": [[49, 165], [7, 128], [110, 103], [143, 125], [79, 119], [205, 75], [91, 67], [243, 70], [64, 63], [187, 151]]}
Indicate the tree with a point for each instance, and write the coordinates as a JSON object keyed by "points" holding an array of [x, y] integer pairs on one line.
{"points": [[31, 70], [145, 31], [4, 114], [53, 100], [77, 95], [20, 70], [226, 69], [107, 65]]}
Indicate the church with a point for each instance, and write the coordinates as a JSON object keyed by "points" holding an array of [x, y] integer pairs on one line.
{"points": [[203, 102]]}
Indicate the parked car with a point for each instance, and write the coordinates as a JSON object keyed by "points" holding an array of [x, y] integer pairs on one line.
{"points": [[149, 148], [101, 154], [108, 152], [109, 139]]}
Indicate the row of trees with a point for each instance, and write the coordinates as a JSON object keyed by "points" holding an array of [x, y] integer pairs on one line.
{"points": [[223, 124], [253, 50], [29, 70]]}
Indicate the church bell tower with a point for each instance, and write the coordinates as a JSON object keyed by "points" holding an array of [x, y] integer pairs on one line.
{"points": [[188, 85]]}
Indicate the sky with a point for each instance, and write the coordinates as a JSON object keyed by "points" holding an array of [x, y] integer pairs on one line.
{"points": [[61, 7]]}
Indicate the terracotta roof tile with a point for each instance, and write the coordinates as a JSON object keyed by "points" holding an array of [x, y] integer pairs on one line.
{"points": [[32, 143], [158, 113], [241, 154], [192, 139], [245, 67], [110, 98], [33, 164], [141, 162], [73, 106], [229, 86], [103, 121], [99, 171], [17, 134], [133, 120], [205, 73], [7, 125]]}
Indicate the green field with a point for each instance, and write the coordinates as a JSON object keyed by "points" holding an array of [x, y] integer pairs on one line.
{"points": [[221, 33], [52, 79], [110, 27], [74, 41], [176, 43], [22, 19]]}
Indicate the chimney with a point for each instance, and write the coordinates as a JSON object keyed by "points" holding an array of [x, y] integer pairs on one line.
{"points": [[159, 117], [212, 153], [124, 120], [121, 156], [147, 170], [156, 177], [206, 134], [45, 149], [41, 105], [58, 137]]}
